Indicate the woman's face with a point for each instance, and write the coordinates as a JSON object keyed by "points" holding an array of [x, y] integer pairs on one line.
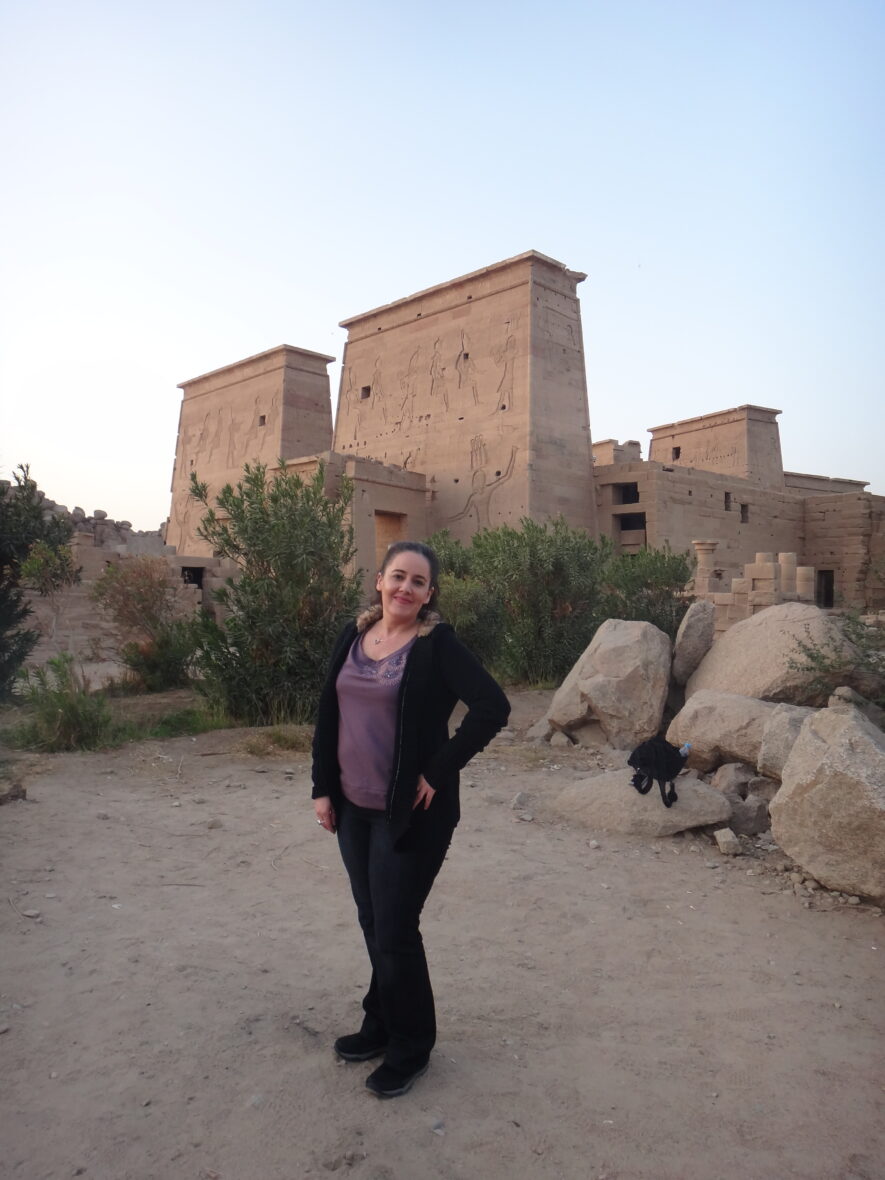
{"points": [[404, 587]]}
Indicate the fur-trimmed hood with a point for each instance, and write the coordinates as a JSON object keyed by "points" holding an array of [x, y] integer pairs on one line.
{"points": [[373, 613]]}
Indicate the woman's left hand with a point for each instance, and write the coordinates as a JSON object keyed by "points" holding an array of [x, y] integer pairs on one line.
{"points": [[424, 794]]}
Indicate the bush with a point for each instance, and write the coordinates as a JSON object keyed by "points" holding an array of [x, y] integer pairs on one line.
{"points": [[529, 600], [66, 715], [16, 642], [546, 578], [265, 661], [48, 569], [22, 524], [454, 558], [854, 655], [157, 645], [648, 586], [475, 614], [164, 660]]}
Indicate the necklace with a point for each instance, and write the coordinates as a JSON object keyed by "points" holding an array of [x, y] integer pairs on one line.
{"points": [[381, 639]]}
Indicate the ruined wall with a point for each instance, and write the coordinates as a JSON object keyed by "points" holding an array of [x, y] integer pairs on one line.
{"points": [[743, 443], [770, 579], [676, 505], [276, 404], [480, 383], [820, 485], [389, 504], [845, 534]]}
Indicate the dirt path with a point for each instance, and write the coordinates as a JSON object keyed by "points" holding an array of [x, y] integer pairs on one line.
{"points": [[620, 1011]]}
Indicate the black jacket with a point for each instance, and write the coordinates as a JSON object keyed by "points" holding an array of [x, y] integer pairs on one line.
{"points": [[439, 672]]}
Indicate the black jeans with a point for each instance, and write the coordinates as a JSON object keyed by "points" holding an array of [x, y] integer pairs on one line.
{"points": [[390, 887]]}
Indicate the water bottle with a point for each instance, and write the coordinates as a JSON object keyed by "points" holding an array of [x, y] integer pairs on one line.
{"points": [[685, 749]]}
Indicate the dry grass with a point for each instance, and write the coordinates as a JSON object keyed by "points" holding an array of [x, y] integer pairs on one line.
{"points": [[278, 739]]}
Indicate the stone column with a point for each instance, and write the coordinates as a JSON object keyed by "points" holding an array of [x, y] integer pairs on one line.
{"points": [[805, 583], [787, 562], [704, 582]]}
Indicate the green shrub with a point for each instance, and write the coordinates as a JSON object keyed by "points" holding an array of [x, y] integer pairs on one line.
{"points": [[264, 661], [163, 661], [156, 644], [65, 714], [475, 614], [48, 569], [454, 558], [529, 600], [853, 655], [22, 524], [648, 586], [16, 642], [546, 578]]}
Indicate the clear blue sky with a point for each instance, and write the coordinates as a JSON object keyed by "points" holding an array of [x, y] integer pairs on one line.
{"points": [[189, 183]]}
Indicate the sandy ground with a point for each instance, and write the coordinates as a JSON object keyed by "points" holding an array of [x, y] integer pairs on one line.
{"points": [[621, 1011]]}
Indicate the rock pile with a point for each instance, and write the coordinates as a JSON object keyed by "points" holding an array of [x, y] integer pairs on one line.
{"points": [[760, 757]]}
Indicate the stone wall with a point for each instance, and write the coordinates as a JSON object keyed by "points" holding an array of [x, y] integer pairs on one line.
{"points": [[389, 504], [270, 406], [845, 536], [770, 579], [742, 443], [674, 504], [479, 383]]}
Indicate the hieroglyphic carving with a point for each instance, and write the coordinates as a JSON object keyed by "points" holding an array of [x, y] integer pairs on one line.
{"points": [[506, 357], [438, 383], [378, 398], [352, 408], [479, 499], [478, 452], [559, 327], [466, 368], [408, 383]]}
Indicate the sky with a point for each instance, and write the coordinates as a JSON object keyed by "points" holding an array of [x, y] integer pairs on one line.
{"points": [[190, 183]]}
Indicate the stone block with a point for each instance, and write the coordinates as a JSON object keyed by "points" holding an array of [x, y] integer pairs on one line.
{"points": [[758, 598], [727, 842], [762, 569]]}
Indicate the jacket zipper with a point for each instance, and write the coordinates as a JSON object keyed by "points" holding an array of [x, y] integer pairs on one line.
{"points": [[399, 750]]}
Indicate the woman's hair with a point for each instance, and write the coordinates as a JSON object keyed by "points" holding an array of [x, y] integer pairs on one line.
{"points": [[432, 560]]}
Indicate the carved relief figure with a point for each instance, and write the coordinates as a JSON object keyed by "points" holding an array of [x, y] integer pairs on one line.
{"points": [[438, 386], [478, 453], [408, 386], [217, 435], [234, 443], [378, 397], [466, 369], [506, 356], [479, 499], [351, 399]]}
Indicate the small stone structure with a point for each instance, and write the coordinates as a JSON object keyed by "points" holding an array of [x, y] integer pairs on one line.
{"points": [[721, 476], [770, 579]]}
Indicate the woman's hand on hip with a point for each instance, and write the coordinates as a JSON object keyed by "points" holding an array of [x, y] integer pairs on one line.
{"points": [[325, 813], [424, 794]]}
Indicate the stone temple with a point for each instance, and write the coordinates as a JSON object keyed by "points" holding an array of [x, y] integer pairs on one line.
{"points": [[465, 406]]}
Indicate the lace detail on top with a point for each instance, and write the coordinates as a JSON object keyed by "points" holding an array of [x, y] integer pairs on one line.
{"points": [[387, 668]]}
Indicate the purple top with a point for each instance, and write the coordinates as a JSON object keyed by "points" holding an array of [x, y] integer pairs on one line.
{"points": [[367, 697]]}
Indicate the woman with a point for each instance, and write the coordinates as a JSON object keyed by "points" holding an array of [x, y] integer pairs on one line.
{"points": [[385, 777]]}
